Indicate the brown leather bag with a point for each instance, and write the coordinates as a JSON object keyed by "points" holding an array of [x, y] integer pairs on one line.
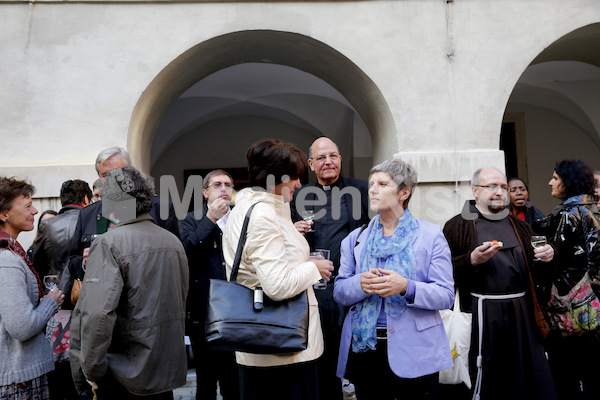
{"points": [[75, 290]]}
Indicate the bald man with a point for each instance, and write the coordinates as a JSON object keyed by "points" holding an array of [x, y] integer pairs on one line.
{"points": [[340, 205], [492, 258]]}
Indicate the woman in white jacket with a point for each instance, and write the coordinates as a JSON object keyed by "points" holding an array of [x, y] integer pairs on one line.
{"points": [[276, 257]]}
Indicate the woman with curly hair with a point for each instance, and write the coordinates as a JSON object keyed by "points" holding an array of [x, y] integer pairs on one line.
{"points": [[574, 342]]}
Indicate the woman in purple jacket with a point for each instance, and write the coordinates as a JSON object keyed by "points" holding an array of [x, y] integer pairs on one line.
{"points": [[395, 274]]}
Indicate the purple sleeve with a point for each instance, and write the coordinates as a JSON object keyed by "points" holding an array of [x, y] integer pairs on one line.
{"points": [[410, 291]]}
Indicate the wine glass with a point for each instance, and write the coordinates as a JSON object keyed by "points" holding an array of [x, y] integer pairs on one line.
{"points": [[538, 242], [51, 281], [318, 255], [308, 216]]}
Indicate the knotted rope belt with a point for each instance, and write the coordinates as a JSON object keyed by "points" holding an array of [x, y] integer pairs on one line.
{"points": [[480, 299]]}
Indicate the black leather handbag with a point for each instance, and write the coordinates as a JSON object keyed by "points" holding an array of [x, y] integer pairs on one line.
{"points": [[236, 320]]}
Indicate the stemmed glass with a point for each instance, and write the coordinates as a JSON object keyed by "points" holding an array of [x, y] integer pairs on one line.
{"points": [[51, 281], [308, 216], [538, 242]]}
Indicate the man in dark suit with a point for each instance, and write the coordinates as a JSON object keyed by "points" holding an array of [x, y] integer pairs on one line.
{"points": [[339, 206], [92, 219], [51, 257], [201, 235]]}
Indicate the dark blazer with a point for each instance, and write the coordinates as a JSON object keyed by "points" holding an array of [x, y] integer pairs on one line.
{"points": [[361, 185], [90, 222], [202, 240], [363, 188]]}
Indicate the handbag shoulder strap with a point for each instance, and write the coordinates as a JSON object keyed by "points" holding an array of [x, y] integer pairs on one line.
{"points": [[362, 228], [238, 254], [61, 334], [456, 301]]}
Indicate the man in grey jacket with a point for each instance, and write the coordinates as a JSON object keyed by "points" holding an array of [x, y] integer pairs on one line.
{"points": [[128, 325]]}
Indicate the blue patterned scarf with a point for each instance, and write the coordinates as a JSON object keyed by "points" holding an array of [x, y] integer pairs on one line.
{"points": [[398, 255]]}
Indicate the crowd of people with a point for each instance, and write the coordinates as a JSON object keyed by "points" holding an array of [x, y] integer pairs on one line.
{"points": [[98, 307]]}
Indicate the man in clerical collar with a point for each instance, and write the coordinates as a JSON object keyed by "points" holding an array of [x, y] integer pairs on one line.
{"points": [[339, 206], [493, 264]]}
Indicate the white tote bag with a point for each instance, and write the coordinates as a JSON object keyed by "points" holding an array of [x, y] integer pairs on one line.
{"points": [[458, 330]]}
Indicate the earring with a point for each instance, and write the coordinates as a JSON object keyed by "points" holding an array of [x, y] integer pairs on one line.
{"points": [[6, 221]]}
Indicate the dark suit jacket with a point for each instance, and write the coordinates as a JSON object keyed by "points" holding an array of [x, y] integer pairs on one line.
{"points": [[202, 240], [342, 183]]}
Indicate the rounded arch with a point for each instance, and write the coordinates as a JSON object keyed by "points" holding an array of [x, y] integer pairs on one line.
{"points": [[551, 112], [263, 46]]}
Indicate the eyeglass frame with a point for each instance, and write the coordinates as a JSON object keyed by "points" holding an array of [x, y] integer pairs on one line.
{"points": [[323, 157], [217, 186], [493, 188]]}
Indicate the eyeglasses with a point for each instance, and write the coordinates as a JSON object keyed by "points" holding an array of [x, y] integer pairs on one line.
{"points": [[323, 157], [493, 188], [219, 185]]}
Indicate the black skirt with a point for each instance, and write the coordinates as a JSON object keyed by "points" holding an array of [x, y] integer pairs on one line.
{"points": [[286, 382]]}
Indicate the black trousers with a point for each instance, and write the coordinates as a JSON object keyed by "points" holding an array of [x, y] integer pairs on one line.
{"points": [[214, 366], [575, 365], [332, 318], [110, 389], [374, 380], [61, 383], [287, 382]]}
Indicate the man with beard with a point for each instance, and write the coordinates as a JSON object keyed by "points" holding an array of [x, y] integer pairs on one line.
{"points": [[492, 258]]}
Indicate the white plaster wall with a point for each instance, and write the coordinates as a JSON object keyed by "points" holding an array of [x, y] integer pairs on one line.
{"points": [[72, 72]]}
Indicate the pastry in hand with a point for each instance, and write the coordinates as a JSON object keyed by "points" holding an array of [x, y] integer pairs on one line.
{"points": [[494, 243]]}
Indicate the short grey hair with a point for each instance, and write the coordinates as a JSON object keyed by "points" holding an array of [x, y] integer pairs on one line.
{"points": [[475, 178], [402, 173], [111, 152]]}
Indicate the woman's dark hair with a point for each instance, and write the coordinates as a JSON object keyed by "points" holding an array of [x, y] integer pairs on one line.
{"points": [[276, 158], [10, 189], [43, 214], [577, 177]]}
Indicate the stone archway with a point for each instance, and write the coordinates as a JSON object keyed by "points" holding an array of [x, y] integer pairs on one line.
{"points": [[554, 108], [262, 46]]}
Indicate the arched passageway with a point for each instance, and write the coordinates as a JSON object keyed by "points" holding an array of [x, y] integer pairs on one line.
{"points": [[343, 89], [552, 112]]}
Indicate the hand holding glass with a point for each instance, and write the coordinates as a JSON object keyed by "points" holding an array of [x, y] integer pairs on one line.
{"points": [[320, 254], [538, 242], [51, 281], [308, 216]]}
